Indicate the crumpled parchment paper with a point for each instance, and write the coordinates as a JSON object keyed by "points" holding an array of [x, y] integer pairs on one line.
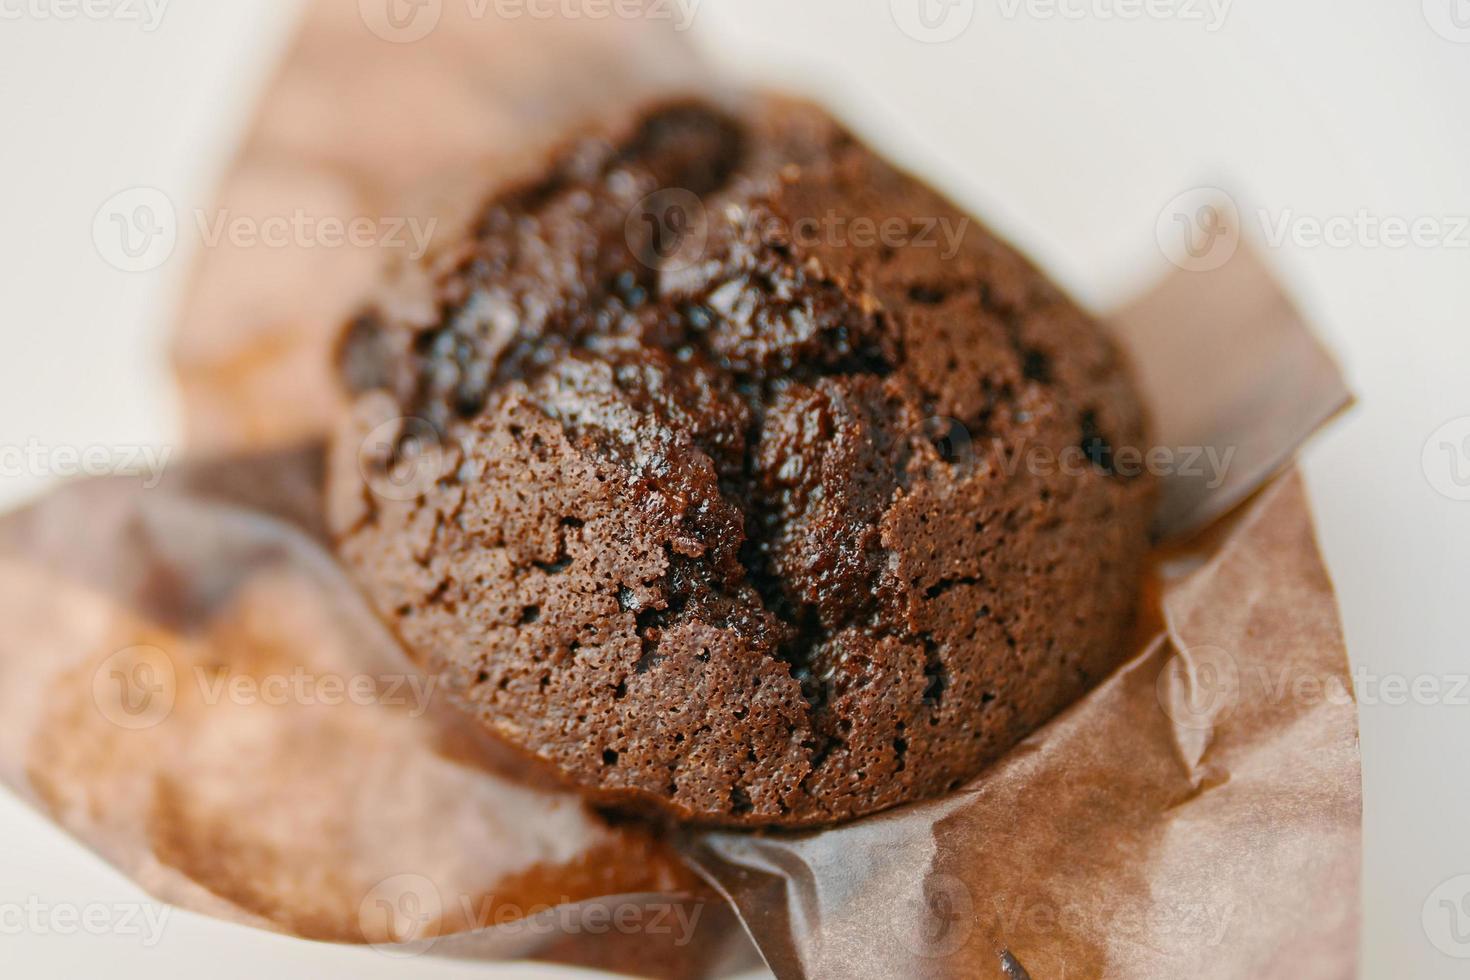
{"points": [[191, 687]]}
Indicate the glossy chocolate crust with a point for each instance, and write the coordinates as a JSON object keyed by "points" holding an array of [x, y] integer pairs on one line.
{"points": [[737, 506]]}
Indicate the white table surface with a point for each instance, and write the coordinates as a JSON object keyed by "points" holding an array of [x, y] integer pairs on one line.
{"points": [[1068, 124]]}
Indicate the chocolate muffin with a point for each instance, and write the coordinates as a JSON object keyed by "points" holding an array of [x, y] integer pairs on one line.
{"points": [[731, 471]]}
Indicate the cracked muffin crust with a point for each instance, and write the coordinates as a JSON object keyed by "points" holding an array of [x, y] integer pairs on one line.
{"points": [[720, 507]]}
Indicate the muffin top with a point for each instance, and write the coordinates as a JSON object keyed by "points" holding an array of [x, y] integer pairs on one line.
{"points": [[736, 474]]}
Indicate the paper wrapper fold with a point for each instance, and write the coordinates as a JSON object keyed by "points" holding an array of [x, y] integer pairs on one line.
{"points": [[190, 685], [196, 692], [1197, 814]]}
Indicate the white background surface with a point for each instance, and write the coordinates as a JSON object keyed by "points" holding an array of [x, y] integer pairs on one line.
{"points": [[1068, 132]]}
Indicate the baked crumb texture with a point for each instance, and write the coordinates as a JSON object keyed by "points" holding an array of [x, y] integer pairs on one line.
{"points": [[739, 512]]}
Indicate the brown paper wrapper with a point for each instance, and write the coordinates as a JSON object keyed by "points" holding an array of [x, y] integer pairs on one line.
{"points": [[1197, 814], [193, 689]]}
